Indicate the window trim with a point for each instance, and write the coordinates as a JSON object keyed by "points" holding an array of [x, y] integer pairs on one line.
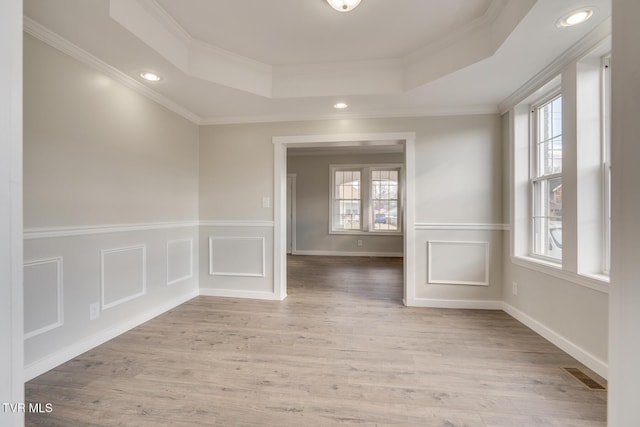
{"points": [[366, 213], [606, 162]]}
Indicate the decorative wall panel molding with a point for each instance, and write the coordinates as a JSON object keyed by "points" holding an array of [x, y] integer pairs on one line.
{"points": [[348, 254], [236, 223], [39, 367], [51, 232], [123, 275], [461, 226], [458, 263], [237, 256], [43, 302], [179, 260]]}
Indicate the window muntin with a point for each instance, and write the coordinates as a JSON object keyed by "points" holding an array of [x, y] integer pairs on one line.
{"points": [[347, 200], [366, 199], [546, 180]]}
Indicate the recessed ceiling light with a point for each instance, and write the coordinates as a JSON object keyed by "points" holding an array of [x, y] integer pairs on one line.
{"points": [[343, 5], [152, 77], [340, 106], [574, 18]]}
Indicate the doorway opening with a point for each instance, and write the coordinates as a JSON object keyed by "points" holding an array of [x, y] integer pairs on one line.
{"points": [[283, 184]]}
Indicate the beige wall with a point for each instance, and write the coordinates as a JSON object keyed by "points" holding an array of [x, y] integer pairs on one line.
{"points": [[458, 165], [96, 152], [312, 206], [458, 179], [11, 320]]}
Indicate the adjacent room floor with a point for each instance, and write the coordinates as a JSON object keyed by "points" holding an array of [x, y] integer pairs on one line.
{"points": [[341, 349]]}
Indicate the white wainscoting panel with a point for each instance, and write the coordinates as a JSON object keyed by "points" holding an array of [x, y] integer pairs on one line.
{"points": [[458, 263], [179, 260], [123, 275], [42, 296], [236, 256]]}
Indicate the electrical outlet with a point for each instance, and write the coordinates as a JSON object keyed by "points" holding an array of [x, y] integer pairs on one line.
{"points": [[94, 310], [359, 242], [514, 288]]}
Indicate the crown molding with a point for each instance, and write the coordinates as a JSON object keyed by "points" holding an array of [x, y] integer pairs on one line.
{"points": [[63, 45], [597, 36], [402, 113], [58, 42], [469, 43]]}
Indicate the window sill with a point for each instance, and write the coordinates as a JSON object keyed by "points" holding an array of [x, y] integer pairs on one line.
{"points": [[601, 277], [591, 281]]}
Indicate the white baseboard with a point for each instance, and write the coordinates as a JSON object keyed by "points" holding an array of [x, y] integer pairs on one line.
{"points": [[575, 351], [46, 364], [234, 293], [458, 304], [344, 253]]}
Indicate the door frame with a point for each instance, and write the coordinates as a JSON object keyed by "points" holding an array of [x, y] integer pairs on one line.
{"points": [[293, 177], [282, 143]]}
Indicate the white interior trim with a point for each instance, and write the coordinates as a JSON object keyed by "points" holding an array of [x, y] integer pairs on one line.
{"points": [[344, 253], [213, 272], [11, 214], [430, 277], [59, 295], [236, 223], [235, 293], [143, 285], [187, 276], [458, 304], [578, 50], [461, 226], [294, 213], [77, 348], [592, 362], [52, 232], [281, 143], [597, 283]]}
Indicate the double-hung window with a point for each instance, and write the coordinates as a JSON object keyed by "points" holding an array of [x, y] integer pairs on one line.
{"points": [[546, 178], [366, 198], [347, 199]]}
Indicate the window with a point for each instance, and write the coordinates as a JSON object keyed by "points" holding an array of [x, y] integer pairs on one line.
{"points": [[384, 198], [546, 178], [347, 200], [366, 199]]}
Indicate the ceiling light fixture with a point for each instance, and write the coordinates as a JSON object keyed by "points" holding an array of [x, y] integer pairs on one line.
{"points": [[152, 77], [340, 106], [343, 5], [574, 18]]}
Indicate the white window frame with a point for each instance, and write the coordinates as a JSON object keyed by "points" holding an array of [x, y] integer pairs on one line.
{"points": [[366, 210], [606, 163], [534, 176]]}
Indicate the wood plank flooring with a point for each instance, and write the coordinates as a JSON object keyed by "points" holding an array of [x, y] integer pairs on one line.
{"points": [[340, 350]]}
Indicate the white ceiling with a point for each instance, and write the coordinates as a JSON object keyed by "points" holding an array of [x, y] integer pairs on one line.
{"points": [[255, 60]]}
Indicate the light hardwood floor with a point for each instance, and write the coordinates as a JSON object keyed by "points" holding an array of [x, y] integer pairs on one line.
{"points": [[341, 349]]}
